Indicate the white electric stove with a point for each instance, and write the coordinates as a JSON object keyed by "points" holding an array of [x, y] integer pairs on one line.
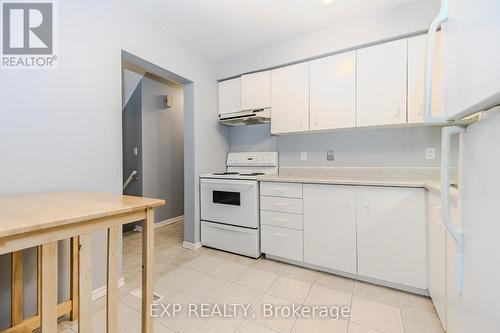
{"points": [[230, 203]]}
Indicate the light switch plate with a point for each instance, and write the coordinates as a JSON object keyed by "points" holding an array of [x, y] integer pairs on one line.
{"points": [[303, 156], [330, 155], [430, 153]]}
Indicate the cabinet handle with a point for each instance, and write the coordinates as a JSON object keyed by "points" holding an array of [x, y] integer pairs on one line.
{"points": [[301, 121], [420, 110], [276, 219], [279, 204], [279, 190], [398, 112], [367, 202], [280, 235], [346, 200]]}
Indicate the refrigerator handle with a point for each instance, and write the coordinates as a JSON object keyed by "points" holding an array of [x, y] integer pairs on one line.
{"points": [[457, 235], [429, 61]]}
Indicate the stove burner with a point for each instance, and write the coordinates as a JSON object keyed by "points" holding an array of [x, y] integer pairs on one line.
{"points": [[252, 174], [225, 173]]}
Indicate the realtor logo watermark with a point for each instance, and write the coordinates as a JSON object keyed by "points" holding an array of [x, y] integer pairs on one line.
{"points": [[28, 34]]}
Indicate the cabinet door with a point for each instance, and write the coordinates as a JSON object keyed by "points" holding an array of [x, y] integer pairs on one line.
{"points": [[381, 84], [416, 79], [330, 227], [392, 235], [333, 92], [290, 99], [256, 90], [230, 96], [437, 256]]}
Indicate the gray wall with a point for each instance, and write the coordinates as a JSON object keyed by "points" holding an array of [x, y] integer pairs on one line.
{"points": [[132, 138], [163, 146], [404, 147]]}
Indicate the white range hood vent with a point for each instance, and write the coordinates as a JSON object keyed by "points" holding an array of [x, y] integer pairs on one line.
{"points": [[247, 117]]}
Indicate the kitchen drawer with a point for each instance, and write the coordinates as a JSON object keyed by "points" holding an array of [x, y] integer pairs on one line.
{"points": [[288, 190], [282, 242], [284, 205], [285, 220]]}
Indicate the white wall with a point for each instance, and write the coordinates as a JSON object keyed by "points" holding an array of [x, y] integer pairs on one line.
{"points": [[400, 21], [61, 129]]}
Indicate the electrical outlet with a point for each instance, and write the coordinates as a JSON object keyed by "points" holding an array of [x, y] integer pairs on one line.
{"points": [[430, 153], [330, 155], [303, 156]]}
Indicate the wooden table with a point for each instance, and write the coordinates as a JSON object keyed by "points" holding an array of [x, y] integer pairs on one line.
{"points": [[43, 219]]}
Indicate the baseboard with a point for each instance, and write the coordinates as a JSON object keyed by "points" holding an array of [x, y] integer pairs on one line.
{"points": [[162, 223], [102, 291], [191, 246]]}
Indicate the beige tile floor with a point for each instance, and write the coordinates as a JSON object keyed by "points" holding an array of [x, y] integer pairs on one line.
{"points": [[210, 276]]}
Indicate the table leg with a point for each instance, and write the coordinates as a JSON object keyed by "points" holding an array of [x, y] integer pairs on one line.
{"points": [[147, 270], [17, 289], [112, 283], [85, 283], [49, 288], [75, 246]]}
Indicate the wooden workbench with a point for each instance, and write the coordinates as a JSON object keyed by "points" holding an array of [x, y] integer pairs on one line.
{"points": [[43, 219]]}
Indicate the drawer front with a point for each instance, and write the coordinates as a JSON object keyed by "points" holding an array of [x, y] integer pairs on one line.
{"points": [[229, 238], [285, 220], [288, 190], [284, 205], [282, 242]]}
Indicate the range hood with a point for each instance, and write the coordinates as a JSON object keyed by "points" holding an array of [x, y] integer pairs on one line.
{"points": [[247, 117]]}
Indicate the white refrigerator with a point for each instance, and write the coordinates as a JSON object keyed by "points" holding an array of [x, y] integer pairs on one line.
{"points": [[470, 34]]}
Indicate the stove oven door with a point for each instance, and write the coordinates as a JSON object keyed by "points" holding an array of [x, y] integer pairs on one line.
{"points": [[228, 201]]}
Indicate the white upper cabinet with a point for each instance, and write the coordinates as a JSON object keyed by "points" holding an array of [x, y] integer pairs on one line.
{"points": [[392, 239], [290, 99], [330, 226], [230, 96], [416, 76], [381, 84], [333, 92], [256, 91]]}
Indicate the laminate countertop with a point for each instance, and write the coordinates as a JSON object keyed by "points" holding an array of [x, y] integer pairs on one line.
{"points": [[428, 178]]}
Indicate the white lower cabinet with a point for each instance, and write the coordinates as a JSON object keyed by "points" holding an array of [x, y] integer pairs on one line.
{"points": [[330, 226], [392, 241], [376, 232], [282, 242]]}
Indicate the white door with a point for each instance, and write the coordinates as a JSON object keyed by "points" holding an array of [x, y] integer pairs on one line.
{"points": [[437, 256], [392, 237], [333, 92], [381, 90], [290, 99], [256, 90], [416, 76], [230, 96], [470, 56], [330, 227]]}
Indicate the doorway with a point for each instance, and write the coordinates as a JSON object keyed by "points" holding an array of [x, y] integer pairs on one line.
{"points": [[153, 140]]}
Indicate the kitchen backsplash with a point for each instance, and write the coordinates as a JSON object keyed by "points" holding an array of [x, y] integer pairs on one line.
{"points": [[393, 147]]}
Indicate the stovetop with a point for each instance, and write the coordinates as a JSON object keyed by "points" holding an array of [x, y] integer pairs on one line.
{"points": [[233, 175]]}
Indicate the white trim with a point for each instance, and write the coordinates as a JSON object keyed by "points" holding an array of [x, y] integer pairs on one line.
{"points": [[162, 223], [191, 246], [100, 292]]}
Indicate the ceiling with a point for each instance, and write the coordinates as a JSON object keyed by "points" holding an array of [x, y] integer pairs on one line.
{"points": [[224, 28]]}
